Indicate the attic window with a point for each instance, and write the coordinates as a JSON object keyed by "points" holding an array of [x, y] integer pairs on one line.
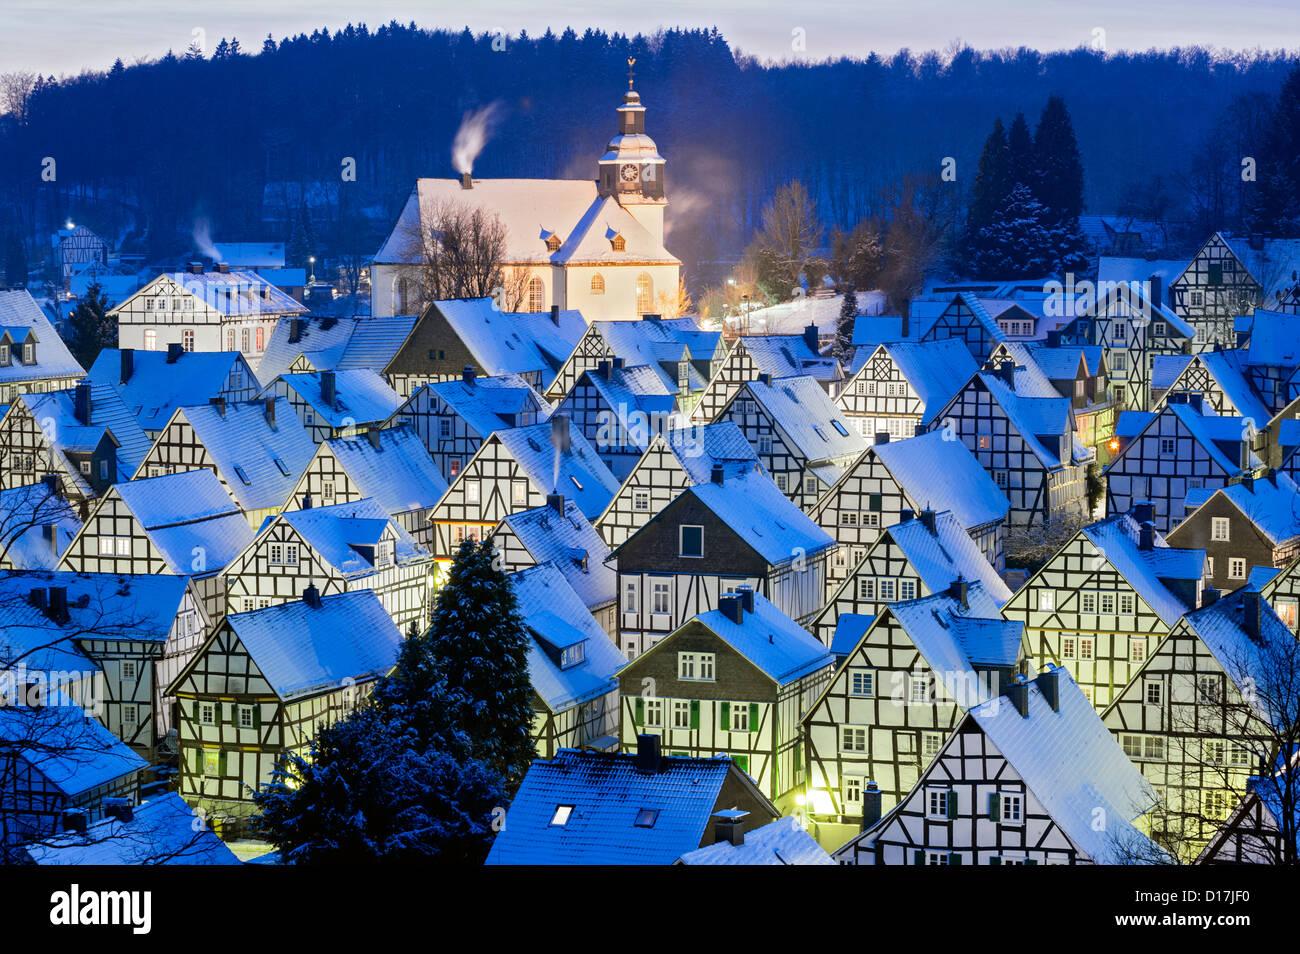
{"points": [[646, 817], [562, 813], [571, 656], [242, 476], [618, 243], [280, 465], [553, 243], [575, 482], [839, 427]]}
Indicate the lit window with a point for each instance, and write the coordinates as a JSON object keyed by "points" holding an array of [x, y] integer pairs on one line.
{"points": [[597, 284], [562, 813], [519, 492], [1046, 601], [644, 294]]}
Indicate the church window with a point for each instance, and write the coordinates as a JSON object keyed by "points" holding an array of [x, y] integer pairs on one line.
{"points": [[619, 243], [598, 284], [644, 294], [536, 295], [553, 243]]}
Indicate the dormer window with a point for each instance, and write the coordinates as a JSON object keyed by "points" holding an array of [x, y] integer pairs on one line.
{"points": [[553, 243], [4, 356], [618, 243], [573, 655], [384, 553], [29, 353]]}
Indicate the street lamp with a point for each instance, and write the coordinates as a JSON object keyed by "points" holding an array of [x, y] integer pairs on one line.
{"points": [[311, 260]]}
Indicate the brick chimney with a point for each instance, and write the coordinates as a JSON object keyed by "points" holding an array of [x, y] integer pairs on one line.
{"points": [[556, 503], [81, 403], [269, 412], [810, 338], [467, 375]]}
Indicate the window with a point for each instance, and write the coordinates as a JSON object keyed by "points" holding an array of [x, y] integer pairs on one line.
{"points": [[150, 339], [1236, 568], [765, 445], [518, 492], [853, 789], [654, 713], [691, 541], [207, 713], [906, 590], [810, 485], [130, 714], [536, 295], [291, 554], [128, 669], [187, 339], [1216, 804], [562, 813], [597, 284], [931, 744], [1213, 751], [327, 490], [472, 491], [1008, 808], [1108, 604], [1001, 478], [453, 466], [1147, 748], [1046, 601], [862, 682], [939, 803], [641, 501], [1219, 529], [866, 588], [1209, 688], [739, 717], [887, 590], [1126, 604], [1153, 692], [246, 717], [939, 857], [1137, 649], [631, 597], [212, 762], [919, 685], [1085, 647], [259, 339], [659, 596], [1088, 602], [848, 518], [645, 294], [781, 483], [444, 427], [646, 817], [695, 667], [1069, 648], [681, 714], [384, 553], [853, 738]]}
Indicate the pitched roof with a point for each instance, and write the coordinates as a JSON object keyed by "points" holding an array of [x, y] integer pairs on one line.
{"points": [[1038, 417], [75, 753], [635, 395], [607, 793], [302, 650], [577, 472], [26, 513], [572, 545], [235, 292], [1074, 767], [1118, 539], [751, 506], [1271, 503], [22, 318], [489, 404], [513, 342], [789, 356], [778, 646], [184, 512], [782, 842], [946, 553], [559, 618], [345, 535], [699, 447], [322, 343], [158, 386], [1274, 339], [56, 410], [399, 474], [1273, 264], [808, 418], [162, 831], [943, 475], [361, 396], [936, 370], [1229, 372]]}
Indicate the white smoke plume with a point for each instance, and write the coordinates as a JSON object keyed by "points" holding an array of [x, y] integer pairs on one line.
{"points": [[474, 132], [203, 240]]}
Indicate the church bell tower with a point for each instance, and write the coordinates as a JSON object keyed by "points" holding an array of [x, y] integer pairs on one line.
{"points": [[631, 170]]}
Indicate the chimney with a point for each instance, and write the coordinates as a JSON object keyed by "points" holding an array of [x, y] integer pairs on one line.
{"points": [[556, 503], [927, 519], [59, 604], [618, 363], [467, 375], [905, 514], [560, 432], [810, 338], [729, 826], [295, 330], [1146, 536], [269, 412], [120, 808], [765, 378], [602, 369], [871, 804], [716, 474], [959, 589], [221, 267], [38, 597], [1196, 401], [466, 181], [882, 437], [1007, 372], [1209, 596], [328, 389], [732, 607], [53, 485], [647, 757], [1054, 338], [746, 594], [306, 501], [1144, 511], [219, 403], [1018, 695], [1177, 397], [1245, 454], [50, 533], [195, 268], [74, 820], [1155, 292], [174, 352], [555, 315], [127, 356], [1252, 606], [311, 596], [905, 322], [373, 436], [81, 403], [1049, 684]]}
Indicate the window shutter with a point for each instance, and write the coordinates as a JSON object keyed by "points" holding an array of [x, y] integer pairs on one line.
{"points": [[753, 717], [952, 804], [257, 717], [1030, 861], [954, 859], [918, 857], [639, 718], [995, 860], [695, 714], [221, 763], [196, 712], [995, 806], [726, 716]]}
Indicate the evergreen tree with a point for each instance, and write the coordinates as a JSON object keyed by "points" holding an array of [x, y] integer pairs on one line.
{"points": [[268, 45], [15, 261], [1021, 163], [843, 347], [222, 51], [1058, 169], [300, 239], [990, 190], [1017, 244], [234, 46], [92, 328], [1276, 209], [194, 51]]}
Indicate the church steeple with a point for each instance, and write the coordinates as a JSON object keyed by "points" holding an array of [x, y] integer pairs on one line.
{"points": [[631, 170]]}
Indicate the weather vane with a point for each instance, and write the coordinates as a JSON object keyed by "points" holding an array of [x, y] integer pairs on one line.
{"points": [[631, 61]]}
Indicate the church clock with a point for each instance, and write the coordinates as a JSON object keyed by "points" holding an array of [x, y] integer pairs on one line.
{"points": [[629, 172]]}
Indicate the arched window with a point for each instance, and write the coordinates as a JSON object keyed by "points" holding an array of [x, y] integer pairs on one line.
{"points": [[536, 295], [598, 284], [645, 294], [401, 295]]}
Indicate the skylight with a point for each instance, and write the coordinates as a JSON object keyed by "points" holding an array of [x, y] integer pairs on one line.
{"points": [[242, 476], [575, 481], [646, 817], [839, 427], [281, 465], [562, 813]]}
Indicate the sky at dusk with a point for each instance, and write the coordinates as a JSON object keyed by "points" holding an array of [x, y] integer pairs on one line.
{"points": [[66, 36]]}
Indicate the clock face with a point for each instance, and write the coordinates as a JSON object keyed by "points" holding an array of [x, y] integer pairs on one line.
{"points": [[629, 173]]}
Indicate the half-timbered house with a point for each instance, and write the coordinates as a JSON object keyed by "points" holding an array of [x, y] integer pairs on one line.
{"points": [[1250, 522], [735, 679], [179, 524], [337, 403], [33, 358], [1230, 276], [153, 384], [339, 549], [945, 317], [1262, 829], [619, 410], [673, 461], [331, 343], [572, 665], [711, 539], [893, 388], [454, 418], [1218, 379], [258, 451], [516, 469], [802, 439], [1023, 434], [389, 466], [899, 693], [1106, 601], [777, 356], [265, 682], [37, 522], [1030, 777], [558, 534]]}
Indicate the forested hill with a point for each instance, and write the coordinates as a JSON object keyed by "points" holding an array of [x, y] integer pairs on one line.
{"points": [[145, 150]]}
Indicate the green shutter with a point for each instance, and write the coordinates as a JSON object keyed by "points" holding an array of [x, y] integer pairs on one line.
{"points": [[196, 712], [639, 718], [954, 858], [695, 714], [1030, 861], [257, 717], [221, 764], [995, 860], [918, 857], [753, 717], [874, 502], [952, 803], [726, 716], [995, 806]]}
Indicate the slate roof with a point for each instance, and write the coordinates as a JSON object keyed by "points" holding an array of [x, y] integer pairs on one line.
{"points": [[808, 418], [362, 396], [947, 553], [607, 793], [179, 512], [788, 356], [162, 831], [943, 475], [1036, 415], [260, 463], [1274, 339], [76, 753], [579, 472], [658, 341], [336, 533], [156, 387], [782, 842], [1273, 264], [234, 293], [321, 343], [778, 646], [1271, 504], [635, 395], [302, 650], [699, 447], [558, 617], [1229, 372], [107, 414], [21, 317], [399, 474], [935, 370], [1117, 538], [25, 512], [762, 516], [490, 403], [572, 545]]}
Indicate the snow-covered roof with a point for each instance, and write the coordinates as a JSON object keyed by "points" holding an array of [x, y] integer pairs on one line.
{"points": [[572, 545], [635, 395], [778, 646], [1074, 767], [1271, 503], [23, 320], [1229, 370], [71, 750], [361, 396], [398, 473], [1039, 418], [1113, 270], [559, 618], [237, 292], [187, 512], [1118, 538], [607, 793], [26, 514], [162, 831], [259, 461], [810, 422], [1274, 339], [766, 519], [698, 448], [782, 842], [489, 404], [157, 385], [513, 342], [1273, 264], [935, 370], [56, 413], [251, 254], [302, 650], [1165, 369], [653, 340], [107, 607], [345, 535], [577, 472], [943, 474], [321, 343], [942, 555], [789, 356], [1219, 436]]}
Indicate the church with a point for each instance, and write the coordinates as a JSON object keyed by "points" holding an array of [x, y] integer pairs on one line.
{"points": [[594, 245]]}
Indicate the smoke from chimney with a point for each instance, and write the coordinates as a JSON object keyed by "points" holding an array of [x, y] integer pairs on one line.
{"points": [[475, 130], [203, 239]]}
